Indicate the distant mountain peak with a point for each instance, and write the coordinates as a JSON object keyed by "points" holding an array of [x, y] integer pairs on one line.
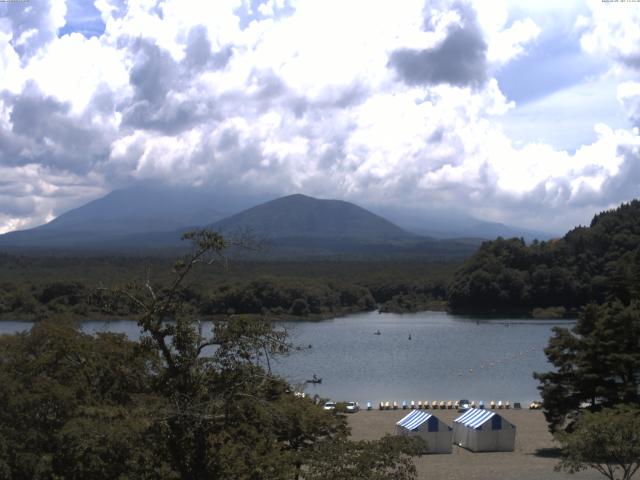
{"points": [[300, 215]]}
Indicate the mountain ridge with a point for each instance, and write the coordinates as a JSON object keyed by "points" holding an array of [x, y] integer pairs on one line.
{"points": [[154, 217], [300, 216]]}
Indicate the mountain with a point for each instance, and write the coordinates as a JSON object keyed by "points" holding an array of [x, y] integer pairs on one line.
{"points": [[300, 226], [148, 220], [454, 224], [136, 210], [300, 216]]}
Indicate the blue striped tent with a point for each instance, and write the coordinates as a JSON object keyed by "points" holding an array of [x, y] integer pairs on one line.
{"points": [[482, 430], [436, 433]]}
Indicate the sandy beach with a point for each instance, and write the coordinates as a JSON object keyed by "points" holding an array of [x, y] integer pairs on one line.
{"points": [[533, 458]]}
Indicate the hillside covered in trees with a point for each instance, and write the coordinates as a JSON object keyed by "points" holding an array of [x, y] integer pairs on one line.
{"points": [[31, 287], [589, 264]]}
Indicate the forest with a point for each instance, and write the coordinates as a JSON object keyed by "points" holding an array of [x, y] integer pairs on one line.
{"points": [[32, 287], [589, 264]]}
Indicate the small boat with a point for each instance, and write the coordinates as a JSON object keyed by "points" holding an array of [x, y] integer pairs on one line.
{"points": [[377, 332], [314, 380]]}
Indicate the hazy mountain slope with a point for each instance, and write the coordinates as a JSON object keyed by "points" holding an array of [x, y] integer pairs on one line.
{"points": [[454, 224], [148, 218], [307, 217], [131, 211]]}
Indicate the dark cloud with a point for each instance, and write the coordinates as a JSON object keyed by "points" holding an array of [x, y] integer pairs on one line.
{"points": [[153, 73], [228, 140], [31, 26], [344, 97], [333, 155], [46, 133], [459, 60], [631, 105], [170, 117], [154, 77], [198, 51], [270, 85], [437, 135], [626, 183], [632, 60]]}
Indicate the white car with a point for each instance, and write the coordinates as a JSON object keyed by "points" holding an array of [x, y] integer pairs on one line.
{"points": [[330, 406], [352, 407]]}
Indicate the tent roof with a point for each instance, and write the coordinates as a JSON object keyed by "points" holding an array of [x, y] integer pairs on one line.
{"points": [[475, 417], [414, 419]]}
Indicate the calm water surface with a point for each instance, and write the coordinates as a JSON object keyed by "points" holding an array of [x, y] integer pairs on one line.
{"points": [[447, 357]]}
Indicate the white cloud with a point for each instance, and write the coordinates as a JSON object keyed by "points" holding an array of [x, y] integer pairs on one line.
{"points": [[309, 101], [510, 43], [614, 29]]}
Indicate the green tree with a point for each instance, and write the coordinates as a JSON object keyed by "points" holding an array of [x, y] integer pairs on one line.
{"points": [[607, 441], [597, 363], [179, 404], [58, 386], [228, 416], [387, 458]]}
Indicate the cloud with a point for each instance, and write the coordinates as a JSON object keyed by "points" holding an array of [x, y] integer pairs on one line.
{"points": [[613, 29], [43, 131], [395, 105], [32, 26], [459, 59]]}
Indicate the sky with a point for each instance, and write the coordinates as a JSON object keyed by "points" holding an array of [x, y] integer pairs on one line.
{"points": [[526, 113]]}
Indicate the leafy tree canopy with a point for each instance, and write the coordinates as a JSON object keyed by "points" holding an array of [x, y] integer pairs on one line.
{"points": [[597, 363], [589, 264], [607, 441]]}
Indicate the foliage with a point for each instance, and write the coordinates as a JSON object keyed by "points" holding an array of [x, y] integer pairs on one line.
{"points": [[390, 457], [77, 406], [56, 380], [607, 441], [31, 287], [591, 264], [597, 362]]}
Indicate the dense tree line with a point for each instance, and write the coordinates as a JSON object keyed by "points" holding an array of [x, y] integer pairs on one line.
{"points": [[589, 264], [303, 290], [592, 397], [272, 296], [597, 363]]}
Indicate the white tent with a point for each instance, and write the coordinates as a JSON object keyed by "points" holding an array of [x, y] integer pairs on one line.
{"points": [[484, 431], [436, 433]]}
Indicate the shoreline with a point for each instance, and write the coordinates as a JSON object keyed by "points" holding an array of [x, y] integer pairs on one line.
{"points": [[534, 457], [479, 315]]}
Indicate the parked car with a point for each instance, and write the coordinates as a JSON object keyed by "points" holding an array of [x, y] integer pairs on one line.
{"points": [[464, 405], [330, 406], [352, 407]]}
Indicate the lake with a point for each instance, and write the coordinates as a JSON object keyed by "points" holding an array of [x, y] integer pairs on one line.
{"points": [[448, 356]]}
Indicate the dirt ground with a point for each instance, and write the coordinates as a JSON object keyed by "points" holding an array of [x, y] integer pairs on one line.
{"points": [[533, 459]]}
